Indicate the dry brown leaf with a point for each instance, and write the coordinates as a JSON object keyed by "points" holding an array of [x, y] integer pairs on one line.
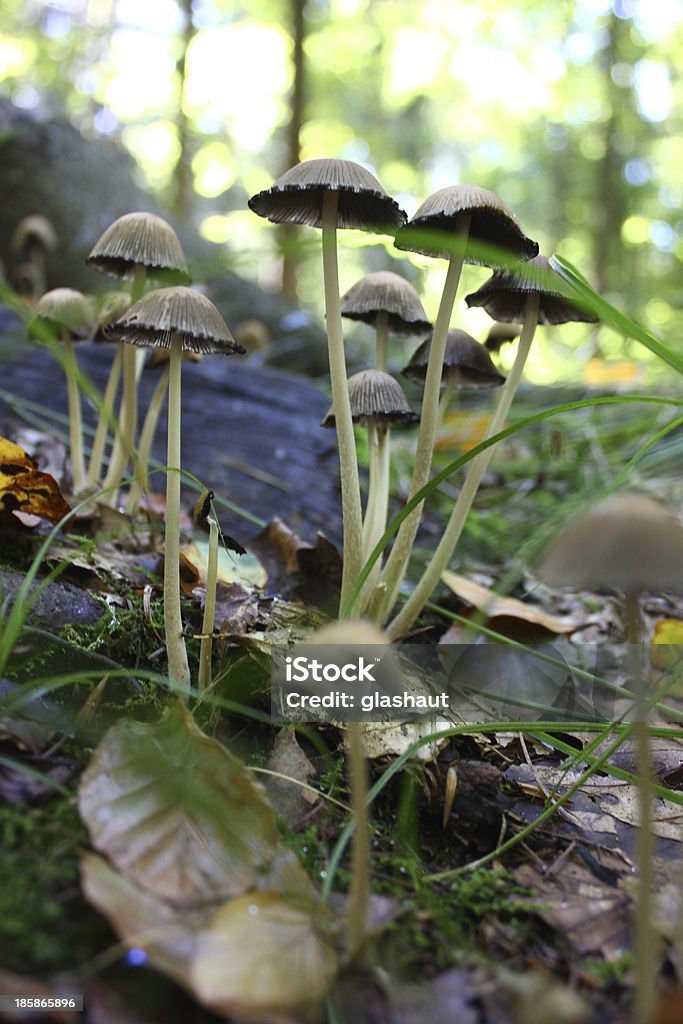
{"points": [[495, 606], [176, 811], [288, 759]]}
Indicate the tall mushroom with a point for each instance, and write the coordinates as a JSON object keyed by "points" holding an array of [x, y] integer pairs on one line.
{"points": [[177, 319], [331, 194], [462, 223], [466, 365], [391, 305], [134, 247], [630, 543], [377, 401], [69, 314], [534, 294]]}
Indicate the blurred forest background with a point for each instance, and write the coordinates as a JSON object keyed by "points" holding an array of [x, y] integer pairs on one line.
{"points": [[571, 110]]}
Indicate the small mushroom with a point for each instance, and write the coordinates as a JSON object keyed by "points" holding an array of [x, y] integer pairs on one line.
{"points": [[463, 224], [378, 402], [204, 518], [69, 314], [533, 294], [33, 238], [466, 365], [391, 305], [331, 194], [500, 334], [631, 543], [177, 319], [134, 247]]}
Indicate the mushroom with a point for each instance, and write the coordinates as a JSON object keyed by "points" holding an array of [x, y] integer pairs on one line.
{"points": [[177, 319], [455, 223], [390, 304], [134, 247], [378, 402], [159, 358], [204, 518], [631, 543], [331, 194], [33, 238], [500, 334], [534, 294], [353, 633], [466, 365], [69, 314]]}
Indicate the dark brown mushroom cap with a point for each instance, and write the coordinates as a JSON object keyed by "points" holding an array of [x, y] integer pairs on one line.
{"points": [[505, 293], [466, 363], [430, 230], [167, 312], [386, 292], [376, 395], [65, 309], [139, 239], [628, 542], [297, 197], [500, 334]]}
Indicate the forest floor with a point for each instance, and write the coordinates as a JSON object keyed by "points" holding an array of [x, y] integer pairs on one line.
{"points": [[502, 857]]}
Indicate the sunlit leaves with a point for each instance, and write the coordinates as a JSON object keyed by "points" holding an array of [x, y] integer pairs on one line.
{"points": [[23, 488]]}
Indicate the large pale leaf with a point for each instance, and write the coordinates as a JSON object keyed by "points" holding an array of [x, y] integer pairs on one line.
{"points": [[177, 812], [264, 958]]}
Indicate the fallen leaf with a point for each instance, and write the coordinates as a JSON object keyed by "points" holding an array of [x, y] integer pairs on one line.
{"points": [[288, 759], [598, 372], [175, 811], [23, 488], [462, 430], [245, 569], [264, 958], [504, 609]]}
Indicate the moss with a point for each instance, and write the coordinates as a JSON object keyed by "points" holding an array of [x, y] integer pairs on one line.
{"points": [[45, 924]]}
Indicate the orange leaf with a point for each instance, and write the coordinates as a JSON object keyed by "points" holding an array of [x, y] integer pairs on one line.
{"points": [[23, 488]]}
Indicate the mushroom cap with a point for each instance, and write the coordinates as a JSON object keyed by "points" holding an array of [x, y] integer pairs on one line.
{"points": [[466, 362], [505, 293], [34, 227], [430, 230], [386, 292], [628, 542], [153, 321], [66, 310], [375, 395], [297, 197], [501, 333], [139, 239], [349, 631]]}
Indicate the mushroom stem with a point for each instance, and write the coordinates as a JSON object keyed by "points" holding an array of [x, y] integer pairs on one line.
{"points": [[446, 547], [359, 890], [204, 677], [75, 422], [124, 447], [147, 434], [444, 400], [375, 521], [178, 668], [395, 568], [105, 416], [645, 944], [348, 465], [382, 340]]}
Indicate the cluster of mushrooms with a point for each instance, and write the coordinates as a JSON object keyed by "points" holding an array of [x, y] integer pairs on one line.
{"points": [[177, 323], [460, 224]]}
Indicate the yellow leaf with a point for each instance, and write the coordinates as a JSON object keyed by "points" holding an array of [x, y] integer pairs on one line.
{"points": [[666, 650], [462, 430], [23, 488], [597, 372]]}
